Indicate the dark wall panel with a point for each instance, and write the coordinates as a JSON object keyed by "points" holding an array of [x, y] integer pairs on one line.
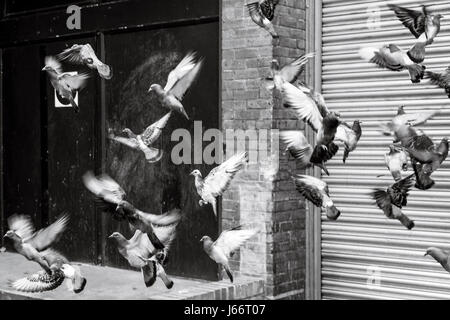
{"points": [[26, 6], [140, 59]]}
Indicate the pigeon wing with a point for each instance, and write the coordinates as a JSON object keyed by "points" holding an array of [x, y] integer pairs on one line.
{"points": [[309, 190], [104, 187], [186, 65], [298, 146], [220, 177], [21, 225], [39, 282], [231, 240], [53, 63], [153, 132], [400, 190], [131, 143], [75, 82], [293, 70], [439, 79], [72, 54], [414, 20], [180, 88], [302, 105], [383, 201], [45, 238]]}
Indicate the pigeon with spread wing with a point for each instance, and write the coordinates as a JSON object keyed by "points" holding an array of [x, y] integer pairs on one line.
{"points": [[61, 269], [422, 24], [290, 72], [441, 256], [65, 84], [141, 254], [392, 200], [394, 58], [318, 193], [218, 180], [31, 244], [145, 140], [442, 79], [85, 55], [178, 82], [262, 13], [226, 245]]}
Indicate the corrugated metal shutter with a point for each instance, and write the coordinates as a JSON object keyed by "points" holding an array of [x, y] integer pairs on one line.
{"points": [[363, 243]]}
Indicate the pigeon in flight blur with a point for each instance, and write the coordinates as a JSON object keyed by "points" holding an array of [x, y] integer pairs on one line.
{"points": [[392, 200], [112, 197], [141, 254], [394, 58], [317, 192], [406, 119], [422, 24], [65, 84], [61, 270], [31, 244], [441, 256], [178, 82], [144, 140], [226, 245], [218, 180], [262, 13], [350, 136], [289, 72], [324, 125], [85, 55], [442, 80], [299, 147], [396, 161]]}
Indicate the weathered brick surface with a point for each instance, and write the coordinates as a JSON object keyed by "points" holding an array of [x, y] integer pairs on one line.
{"points": [[264, 196]]}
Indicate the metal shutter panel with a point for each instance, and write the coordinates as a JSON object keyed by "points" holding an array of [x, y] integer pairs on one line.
{"points": [[363, 241]]}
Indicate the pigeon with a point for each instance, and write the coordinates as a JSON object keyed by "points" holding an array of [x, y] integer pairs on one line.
{"points": [[85, 55], [65, 84], [218, 180], [317, 192], [289, 72], [141, 254], [144, 141], [226, 245], [422, 24], [394, 58], [324, 125], [441, 256], [262, 13], [396, 161], [31, 244], [298, 146], [61, 270], [392, 200], [406, 119], [178, 82], [442, 80], [350, 136], [112, 196]]}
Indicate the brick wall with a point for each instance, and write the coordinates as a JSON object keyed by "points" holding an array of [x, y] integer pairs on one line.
{"points": [[264, 195]]}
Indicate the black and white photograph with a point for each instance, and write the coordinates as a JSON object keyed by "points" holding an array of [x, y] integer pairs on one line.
{"points": [[249, 151]]}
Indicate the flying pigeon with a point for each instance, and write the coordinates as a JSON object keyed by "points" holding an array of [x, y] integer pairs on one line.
{"points": [[218, 180], [144, 141], [392, 200], [350, 136], [61, 270], [325, 126], [441, 256], [317, 192], [262, 13], [178, 82], [422, 24], [85, 55], [406, 119], [299, 147], [396, 161], [31, 244], [394, 58], [226, 245], [141, 254], [442, 80], [65, 84], [112, 196], [289, 72]]}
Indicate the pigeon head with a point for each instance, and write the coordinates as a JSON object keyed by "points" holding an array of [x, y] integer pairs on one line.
{"points": [[438, 17], [206, 241], [128, 132], [116, 236], [196, 173], [11, 235], [275, 64], [156, 88]]}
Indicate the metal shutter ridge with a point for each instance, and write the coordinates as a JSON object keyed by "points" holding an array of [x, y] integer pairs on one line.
{"points": [[363, 243]]}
